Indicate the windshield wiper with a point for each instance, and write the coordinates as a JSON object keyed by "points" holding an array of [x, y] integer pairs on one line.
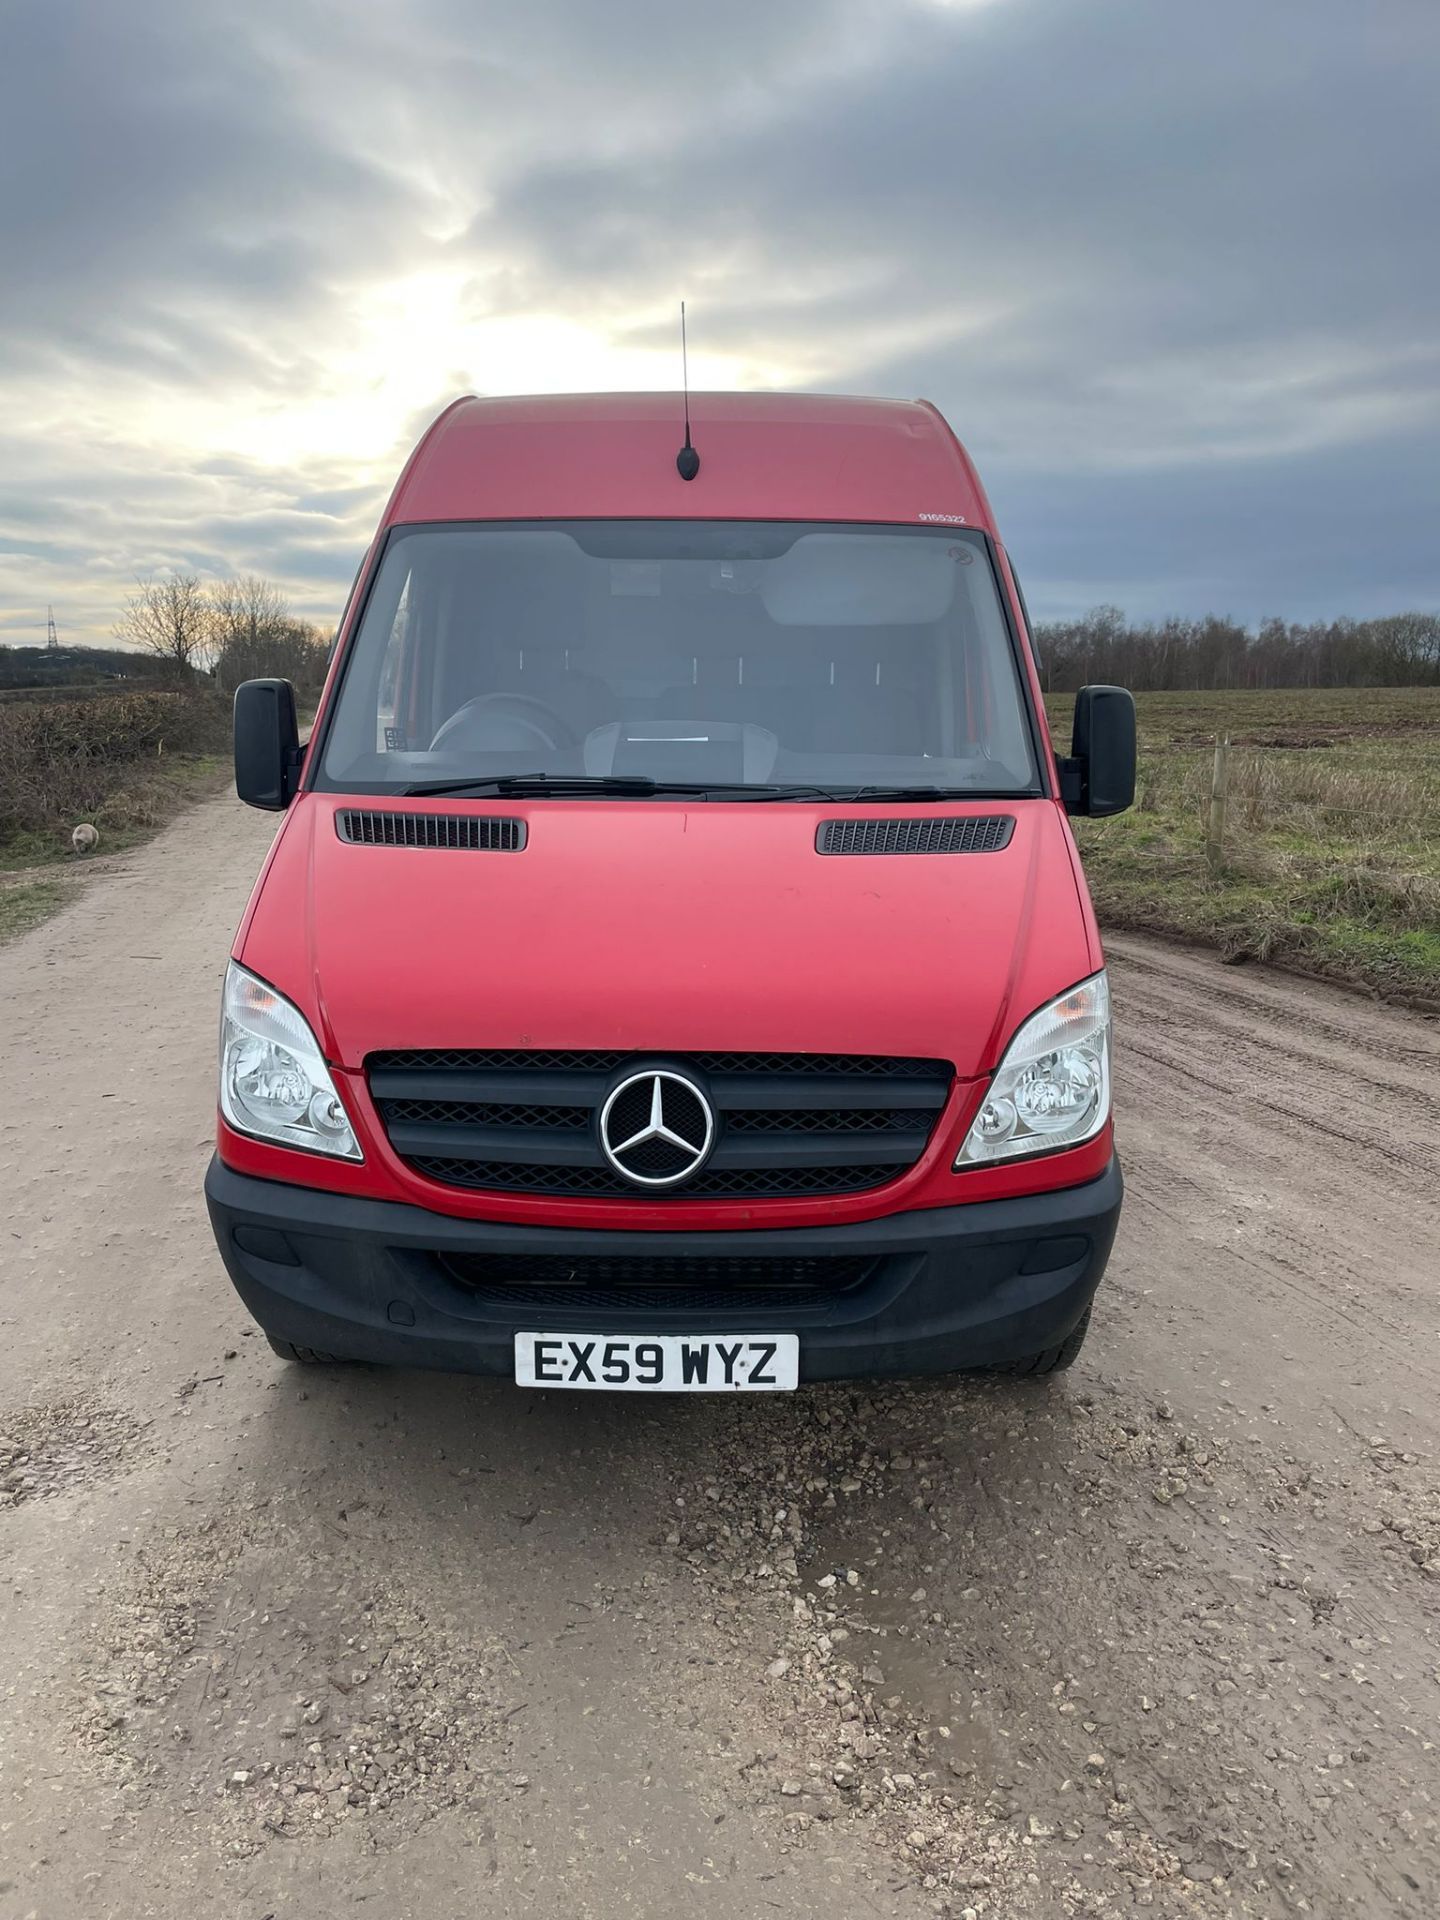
{"points": [[621, 785], [519, 784], [624, 786], [926, 793], [752, 790]]}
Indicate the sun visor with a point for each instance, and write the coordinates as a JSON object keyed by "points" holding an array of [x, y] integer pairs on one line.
{"points": [[860, 580]]}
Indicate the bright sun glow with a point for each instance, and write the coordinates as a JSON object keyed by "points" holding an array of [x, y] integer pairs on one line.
{"points": [[411, 345]]}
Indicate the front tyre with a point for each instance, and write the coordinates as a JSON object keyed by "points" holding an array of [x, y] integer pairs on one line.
{"points": [[1053, 1359]]}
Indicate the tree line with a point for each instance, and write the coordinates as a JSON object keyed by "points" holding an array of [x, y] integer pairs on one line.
{"points": [[1399, 650], [243, 629], [233, 630]]}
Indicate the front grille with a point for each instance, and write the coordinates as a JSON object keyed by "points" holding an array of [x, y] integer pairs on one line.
{"points": [[959, 833], [854, 1066], [821, 1120], [754, 1183], [674, 1284], [462, 1113], [645, 1271], [787, 1125], [468, 832]]}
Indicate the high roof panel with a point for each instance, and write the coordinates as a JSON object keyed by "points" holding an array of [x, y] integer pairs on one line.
{"points": [[762, 457]]}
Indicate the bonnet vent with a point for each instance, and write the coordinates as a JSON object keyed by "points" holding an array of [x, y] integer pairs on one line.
{"points": [[475, 833], [964, 833]]}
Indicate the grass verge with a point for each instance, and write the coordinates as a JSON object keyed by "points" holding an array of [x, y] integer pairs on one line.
{"points": [[1331, 861], [126, 765], [24, 904]]}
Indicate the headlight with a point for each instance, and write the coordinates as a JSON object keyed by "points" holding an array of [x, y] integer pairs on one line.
{"points": [[1052, 1088], [273, 1082]]}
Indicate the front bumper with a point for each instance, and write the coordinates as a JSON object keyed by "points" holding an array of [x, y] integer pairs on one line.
{"points": [[943, 1288]]}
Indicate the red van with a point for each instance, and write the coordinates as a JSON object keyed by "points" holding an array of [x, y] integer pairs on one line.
{"points": [[674, 970]]}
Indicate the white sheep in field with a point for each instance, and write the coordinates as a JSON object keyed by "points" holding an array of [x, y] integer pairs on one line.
{"points": [[85, 839]]}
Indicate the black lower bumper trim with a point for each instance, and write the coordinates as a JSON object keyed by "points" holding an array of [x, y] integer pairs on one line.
{"points": [[924, 1292]]}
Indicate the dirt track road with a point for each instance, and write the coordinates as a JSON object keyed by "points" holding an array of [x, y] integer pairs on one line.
{"points": [[1162, 1635]]}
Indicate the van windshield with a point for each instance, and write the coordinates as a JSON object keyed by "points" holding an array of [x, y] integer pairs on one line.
{"points": [[631, 655]]}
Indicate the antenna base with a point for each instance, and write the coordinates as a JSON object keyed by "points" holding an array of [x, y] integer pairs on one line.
{"points": [[687, 462]]}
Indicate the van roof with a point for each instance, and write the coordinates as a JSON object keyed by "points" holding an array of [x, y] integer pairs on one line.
{"points": [[763, 456]]}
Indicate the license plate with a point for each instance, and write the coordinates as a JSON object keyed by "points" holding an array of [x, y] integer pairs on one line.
{"points": [[660, 1362]]}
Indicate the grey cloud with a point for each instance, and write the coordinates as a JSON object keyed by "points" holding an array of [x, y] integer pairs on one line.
{"points": [[1120, 174], [1193, 241], [1169, 269], [1289, 537], [164, 198]]}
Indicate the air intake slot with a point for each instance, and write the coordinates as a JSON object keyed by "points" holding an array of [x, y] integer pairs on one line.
{"points": [[471, 832], [960, 833]]}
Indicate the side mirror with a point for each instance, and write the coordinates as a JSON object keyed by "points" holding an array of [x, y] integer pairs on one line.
{"points": [[267, 744], [1099, 776]]}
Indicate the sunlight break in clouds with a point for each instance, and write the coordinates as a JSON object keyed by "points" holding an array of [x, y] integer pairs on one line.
{"points": [[1165, 269], [406, 333]]}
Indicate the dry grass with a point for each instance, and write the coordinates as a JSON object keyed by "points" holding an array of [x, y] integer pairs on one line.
{"points": [[125, 763], [64, 761], [25, 903], [1332, 853]]}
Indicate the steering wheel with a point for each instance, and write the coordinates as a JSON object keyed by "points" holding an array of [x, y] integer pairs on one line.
{"points": [[531, 723]]}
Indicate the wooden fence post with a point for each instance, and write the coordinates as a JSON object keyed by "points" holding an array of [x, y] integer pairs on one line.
{"points": [[1219, 781]]}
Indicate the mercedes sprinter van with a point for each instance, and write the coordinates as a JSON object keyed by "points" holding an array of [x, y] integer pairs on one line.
{"points": [[673, 969]]}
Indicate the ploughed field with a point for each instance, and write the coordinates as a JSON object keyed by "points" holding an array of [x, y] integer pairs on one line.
{"points": [[1162, 1635], [1331, 857]]}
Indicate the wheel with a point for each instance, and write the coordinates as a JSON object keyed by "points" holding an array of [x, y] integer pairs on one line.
{"points": [[301, 1356], [1053, 1359]]}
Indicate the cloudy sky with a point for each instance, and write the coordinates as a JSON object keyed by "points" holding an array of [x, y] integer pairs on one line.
{"points": [[1171, 269]]}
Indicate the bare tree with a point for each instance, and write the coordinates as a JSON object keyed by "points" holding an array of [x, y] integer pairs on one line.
{"points": [[1400, 650], [248, 613], [171, 618], [257, 637]]}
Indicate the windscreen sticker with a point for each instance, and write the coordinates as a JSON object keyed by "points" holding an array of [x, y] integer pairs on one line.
{"points": [[635, 579]]}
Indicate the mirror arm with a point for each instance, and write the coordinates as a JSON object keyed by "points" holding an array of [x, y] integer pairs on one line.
{"points": [[1072, 783]]}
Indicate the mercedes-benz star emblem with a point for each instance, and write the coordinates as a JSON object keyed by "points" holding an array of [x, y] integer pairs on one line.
{"points": [[657, 1128]]}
